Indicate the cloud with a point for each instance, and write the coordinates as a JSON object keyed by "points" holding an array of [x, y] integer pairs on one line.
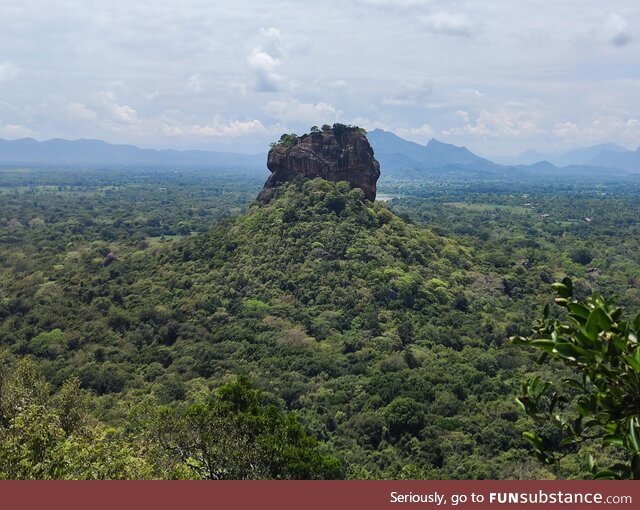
{"points": [[216, 128], [625, 130], [418, 134], [337, 84], [17, 131], [272, 39], [500, 123], [565, 130], [389, 5], [615, 30], [124, 113], [263, 62], [9, 71], [411, 95], [78, 111], [263, 66], [194, 83], [292, 110], [457, 24]]}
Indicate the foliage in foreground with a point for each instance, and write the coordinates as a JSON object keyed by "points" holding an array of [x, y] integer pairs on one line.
{"points": [[600, 402], [235, 434]]}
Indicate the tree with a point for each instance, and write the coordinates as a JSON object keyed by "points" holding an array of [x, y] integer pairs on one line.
{"points": [[43, 438], [238, 435], [600, 402]]}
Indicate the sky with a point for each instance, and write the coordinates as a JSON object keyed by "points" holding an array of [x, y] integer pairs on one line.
{"points": [[498, 77]]}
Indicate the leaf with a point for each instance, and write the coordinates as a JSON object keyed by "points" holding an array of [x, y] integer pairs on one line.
{"points": [[544, 344], [598, 321], [635, 466], [613, 439], [533, 439], [568, 350], [633, 362], [572, 383], [605, 474], [634, 435], [578, 310], [562, 290], [519, 340]]}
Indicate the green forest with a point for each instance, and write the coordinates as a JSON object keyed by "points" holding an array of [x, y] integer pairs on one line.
{"points": [[163, 324]]}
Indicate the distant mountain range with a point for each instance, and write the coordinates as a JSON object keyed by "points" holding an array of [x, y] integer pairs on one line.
{"points": [[607, 155], [399, 158], [96, 153]]}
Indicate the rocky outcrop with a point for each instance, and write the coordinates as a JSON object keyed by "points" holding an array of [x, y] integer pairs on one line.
{"points": [[338, 154]]}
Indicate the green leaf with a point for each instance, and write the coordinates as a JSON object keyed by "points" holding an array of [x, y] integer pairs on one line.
{"points": [[562, 290], [634, 435], [633, 362], [605, 474], [613, 439], [568, 350], [544, 344], [578, 310], [533, 439], [519, 340], [572, 383], [635, 466]]}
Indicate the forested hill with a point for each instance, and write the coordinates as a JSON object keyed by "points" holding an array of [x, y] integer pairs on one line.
{"points": [[380, 335]]}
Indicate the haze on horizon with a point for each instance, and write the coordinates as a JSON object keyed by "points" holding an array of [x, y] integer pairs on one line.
{"points": [[234, 75]]}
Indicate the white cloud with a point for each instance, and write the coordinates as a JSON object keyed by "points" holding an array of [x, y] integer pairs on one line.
{"points": [[393, 4], [337, 84], [292, 110], [566, 130], [272, 38], [78, 111], [194, 83], [500, 123], [216, 128], [418, 134], [124, 113], [410, 94], [9, 71], [17, 131], [606, 129], [615, 30], [448, 23], [263, 66], [263, 62]]}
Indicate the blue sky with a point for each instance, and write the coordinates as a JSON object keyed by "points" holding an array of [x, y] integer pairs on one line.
{"points": [[499, 77]]}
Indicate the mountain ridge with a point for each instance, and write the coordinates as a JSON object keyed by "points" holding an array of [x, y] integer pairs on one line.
{"points": [[92, 153], [398, 157]]}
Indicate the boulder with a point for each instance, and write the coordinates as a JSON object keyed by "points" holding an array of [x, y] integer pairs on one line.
{"points": [[341, 153]]}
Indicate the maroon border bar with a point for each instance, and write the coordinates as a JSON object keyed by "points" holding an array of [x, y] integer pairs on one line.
{"points": [[308, 495]]}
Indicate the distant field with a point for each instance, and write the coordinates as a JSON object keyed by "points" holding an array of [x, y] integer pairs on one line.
{"points": [[161, 239], [490, 207]]}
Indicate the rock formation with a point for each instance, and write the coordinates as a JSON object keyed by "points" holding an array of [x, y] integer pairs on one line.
{"points": [[341, 153]]}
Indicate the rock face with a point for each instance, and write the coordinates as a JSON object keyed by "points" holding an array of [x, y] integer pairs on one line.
{"points": [[339, 154]]}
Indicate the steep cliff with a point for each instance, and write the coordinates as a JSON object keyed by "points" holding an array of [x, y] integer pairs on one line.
{"points": [[340, 153]]}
